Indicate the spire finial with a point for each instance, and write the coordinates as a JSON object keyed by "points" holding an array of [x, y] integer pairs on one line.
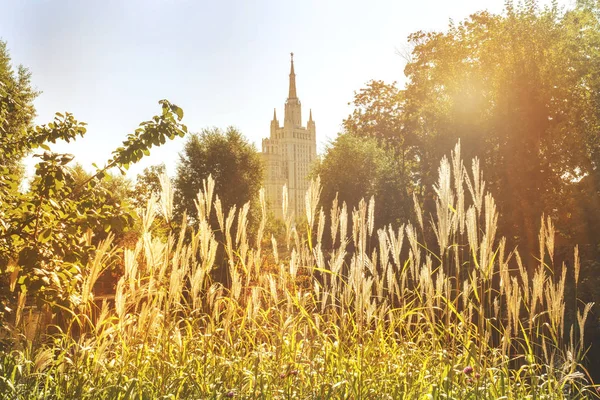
{"points": [[310, 116], [274, 114], [292, 92]]}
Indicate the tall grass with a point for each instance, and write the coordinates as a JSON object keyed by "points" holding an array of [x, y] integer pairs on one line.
{"points": [[380, 314]]}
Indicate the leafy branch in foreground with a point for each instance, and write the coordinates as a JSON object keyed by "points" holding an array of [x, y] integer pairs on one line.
{"points": [[44, 239]]}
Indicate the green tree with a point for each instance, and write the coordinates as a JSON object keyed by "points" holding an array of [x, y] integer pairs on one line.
{"points": [[43, 245], [16, 112], [233, 162], [356, 167], [521, 92], [147, 184], [378, 113]]}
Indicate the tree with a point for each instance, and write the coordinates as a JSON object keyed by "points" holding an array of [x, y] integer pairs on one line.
{"points": [[234, 164], [521, 92], [378, 113], [147, 184], [16, 112], [354, 168], [44, 240]]}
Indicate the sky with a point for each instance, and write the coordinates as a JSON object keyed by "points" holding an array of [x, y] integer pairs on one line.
{"points": [[226, 63]]}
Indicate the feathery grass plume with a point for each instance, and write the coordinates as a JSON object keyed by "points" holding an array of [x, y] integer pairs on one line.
{"points": [[466, 292], [581, 318], [242, 234], [42, 360], [335, 219], [201, 270], [524, 279], [371, 215], [554, 296], [288, 216], [520, 265], [149, 213], [513, 304], [491, 220], [228, 240], [396, 240], [209, 188], [576, 264], [472, 231], [550, 233], [100, 262], [263, 218], [485, 254], [236, 284], [537, 293], [415, 253], [166, 196], [220, 214], [444, 206], [356, 228], [458, 171], [336, 262], [418, 212], [344, 223], [320, 225], [384, 256], [242, 224], [131, 266], [312, 201], [275, 252], [121, 300], [294, 264], [477, 187], [273, 289], [542, 240]]}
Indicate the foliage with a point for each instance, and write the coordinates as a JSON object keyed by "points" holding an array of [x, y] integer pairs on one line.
{"points": [[226, 156], [391, 321], [147, 184], [16, 111], [44, 240], [521, 92], [377, 113], [355, 167]]}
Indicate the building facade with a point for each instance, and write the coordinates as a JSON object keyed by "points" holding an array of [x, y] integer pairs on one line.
{"points": [[288, 154]]}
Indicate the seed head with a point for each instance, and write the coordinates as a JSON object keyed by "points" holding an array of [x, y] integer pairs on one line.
{"points": [[468, 370]]}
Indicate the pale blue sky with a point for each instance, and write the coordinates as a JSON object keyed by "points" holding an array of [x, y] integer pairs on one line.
{"points": [[224, 62]]}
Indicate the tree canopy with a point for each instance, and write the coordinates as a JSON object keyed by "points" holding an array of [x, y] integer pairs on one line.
{"points": [[355, 167], [233, 162], [521, 92], [16, 111]]}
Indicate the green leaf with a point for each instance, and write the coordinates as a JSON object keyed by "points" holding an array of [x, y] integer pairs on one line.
{"points": [[45, 235]]}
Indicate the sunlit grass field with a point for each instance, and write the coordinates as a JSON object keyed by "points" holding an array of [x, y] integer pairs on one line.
{"points": [[376, 315]]}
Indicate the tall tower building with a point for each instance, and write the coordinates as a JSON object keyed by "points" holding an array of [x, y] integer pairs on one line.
{"points": [[288, 154]]}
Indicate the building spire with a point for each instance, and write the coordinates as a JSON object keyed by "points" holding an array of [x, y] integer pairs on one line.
{"points": [[292, 94], [274, 114], [310, 116]]}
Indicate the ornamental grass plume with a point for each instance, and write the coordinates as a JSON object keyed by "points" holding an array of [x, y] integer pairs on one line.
{"points": [[380, 314]]}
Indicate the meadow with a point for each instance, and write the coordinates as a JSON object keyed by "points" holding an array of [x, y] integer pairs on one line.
{"points": [[378, 314]]}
